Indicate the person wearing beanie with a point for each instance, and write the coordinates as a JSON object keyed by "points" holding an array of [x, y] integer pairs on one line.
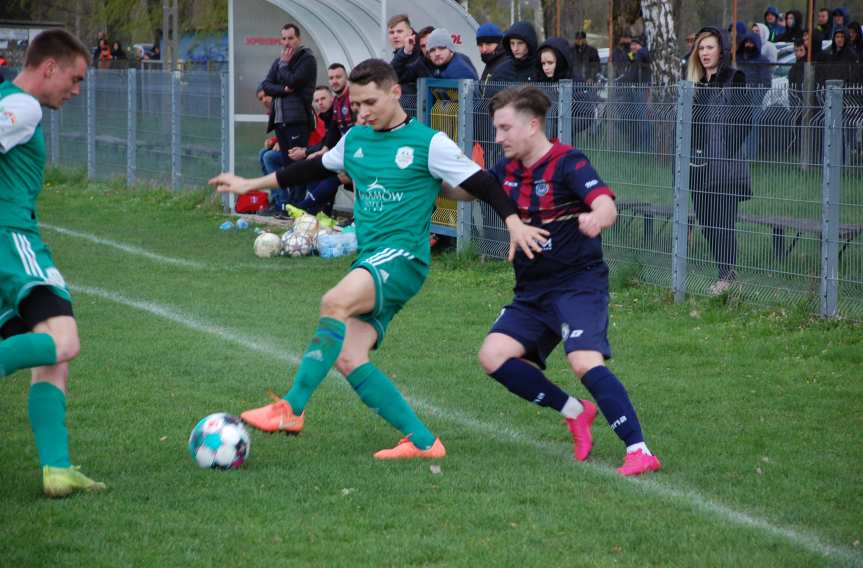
{"points": [[489, 39], [445, 62]]}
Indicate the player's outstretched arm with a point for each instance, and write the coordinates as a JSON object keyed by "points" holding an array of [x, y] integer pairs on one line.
{"points": [[603, 215], [231, 183], [522, 236], [455, 193]]}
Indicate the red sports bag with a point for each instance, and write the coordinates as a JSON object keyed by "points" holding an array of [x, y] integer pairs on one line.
{"points": [[251, 202]]}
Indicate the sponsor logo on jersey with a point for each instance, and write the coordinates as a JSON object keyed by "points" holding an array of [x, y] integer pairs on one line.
{"points": [[376, 196], [509, 183], [7, 118], [404, 157], [540, 187], [359, 153], [345, 110], [591, 183]]}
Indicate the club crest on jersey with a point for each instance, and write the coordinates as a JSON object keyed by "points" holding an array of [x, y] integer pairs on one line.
{"points": [[541, 188], [404, 157]]}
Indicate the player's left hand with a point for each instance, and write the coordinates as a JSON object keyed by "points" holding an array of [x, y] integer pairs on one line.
{"points": [[229, 183], [589, 224], [525, 237]]}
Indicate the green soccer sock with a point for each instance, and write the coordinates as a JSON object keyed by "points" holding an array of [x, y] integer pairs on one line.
{"points": [[317, 362], [25, 351], [47, 406], [382, 396]]}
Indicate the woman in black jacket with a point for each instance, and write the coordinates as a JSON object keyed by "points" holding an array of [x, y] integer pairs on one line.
{"points": [[718, 172]]}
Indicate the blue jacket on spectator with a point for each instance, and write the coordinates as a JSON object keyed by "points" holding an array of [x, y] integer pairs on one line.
{"points": [[459, 67], [776, 29], [756, 67], [520, 70], [846, 17]]}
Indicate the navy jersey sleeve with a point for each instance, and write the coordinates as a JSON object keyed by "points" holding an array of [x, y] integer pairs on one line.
{"points": [[583, 180], [498, 172]]}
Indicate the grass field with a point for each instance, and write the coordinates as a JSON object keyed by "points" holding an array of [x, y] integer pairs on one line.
{"points": [[756, 415]]}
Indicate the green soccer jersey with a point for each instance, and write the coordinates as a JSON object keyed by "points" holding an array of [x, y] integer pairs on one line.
{"points": [[22, 157], [397, 175]]}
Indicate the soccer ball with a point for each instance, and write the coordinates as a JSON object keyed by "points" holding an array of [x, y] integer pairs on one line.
{"points": [[297, 244], [267, 245], [306, 225], [219, 441]]}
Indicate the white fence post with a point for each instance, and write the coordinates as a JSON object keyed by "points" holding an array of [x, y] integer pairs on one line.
{"points": [[831, 190], [131, 125], [90, 112], [176, 140], [680, 227]]}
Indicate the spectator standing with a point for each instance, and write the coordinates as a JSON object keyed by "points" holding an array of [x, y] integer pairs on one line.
{"points": [[555, 59], [824, 23], [445, 62], [620, 55], [841, 62], [403, 41], [585, 58], [520, 43], [291, 83], [411, 69], [855, 40], [103, 61], [840, 18], [793, 27], [117, 51], [773, 22], [797, 73], [489, 39], [718, 173], [768, 50]]}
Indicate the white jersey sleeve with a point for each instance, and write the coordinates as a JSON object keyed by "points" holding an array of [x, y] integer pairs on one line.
{"points": [[20, 114], [334, 158], [447, 162]]}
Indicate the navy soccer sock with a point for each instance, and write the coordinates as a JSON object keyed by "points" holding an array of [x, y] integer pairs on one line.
{"points": [[523, 379], [613, 401]]}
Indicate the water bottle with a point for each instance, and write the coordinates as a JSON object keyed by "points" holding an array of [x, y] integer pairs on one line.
{"points": [[226, 226], [242, 224], [325, 246]]}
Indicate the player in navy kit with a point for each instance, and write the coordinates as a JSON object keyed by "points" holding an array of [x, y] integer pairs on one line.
{"points": [[562, 294]]}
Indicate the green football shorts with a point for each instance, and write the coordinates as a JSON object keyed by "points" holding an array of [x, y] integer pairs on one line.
{"points": [[25, 262], [398, 276]]}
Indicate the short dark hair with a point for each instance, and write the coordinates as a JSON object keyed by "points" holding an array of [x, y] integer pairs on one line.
{"points": [[825, 10], [337, 66], [292, 26], [375, 71], [397, 19], [523, 99], [55, 44], [424, 32], [322, 87]]}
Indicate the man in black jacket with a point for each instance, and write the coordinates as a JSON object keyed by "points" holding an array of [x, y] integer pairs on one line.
{"points": [[291, 83], [489, 39], [520, 43], [585, 58]]}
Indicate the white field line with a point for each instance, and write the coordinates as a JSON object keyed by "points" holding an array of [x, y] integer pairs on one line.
{"points": [[155, 257], [691, 497]]}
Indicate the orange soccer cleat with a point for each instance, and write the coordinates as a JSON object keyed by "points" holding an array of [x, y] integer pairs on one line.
{"points": [[275, 417], [405, 450]]}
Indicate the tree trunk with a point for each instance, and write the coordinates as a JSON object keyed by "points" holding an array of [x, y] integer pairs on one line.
{"points": [[661, 41]]}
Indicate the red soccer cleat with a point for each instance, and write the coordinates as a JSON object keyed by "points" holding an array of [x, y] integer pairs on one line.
{"points": [[638, 462], [579, 427]]}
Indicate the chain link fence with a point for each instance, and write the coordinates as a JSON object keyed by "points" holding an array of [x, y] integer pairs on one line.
{"points": [[792, 236], [761, 187]]}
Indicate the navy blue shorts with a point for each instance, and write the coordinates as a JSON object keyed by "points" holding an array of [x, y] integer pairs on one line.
{"points": [[576, 315]]}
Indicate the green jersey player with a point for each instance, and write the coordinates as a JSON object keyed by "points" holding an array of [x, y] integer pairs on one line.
{"points": [[37, 327], [398, 166]]}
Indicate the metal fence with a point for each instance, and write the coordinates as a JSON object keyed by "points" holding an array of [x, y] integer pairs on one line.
{"points": [[160, 127], [797, 240]]}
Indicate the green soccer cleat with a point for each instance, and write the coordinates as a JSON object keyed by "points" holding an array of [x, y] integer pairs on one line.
{"points": [[63, 481], [294, 212], [325, 220]]}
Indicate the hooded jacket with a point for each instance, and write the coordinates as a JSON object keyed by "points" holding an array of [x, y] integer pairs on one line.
{"points": [[299, 75], [564, 68], [520, 70], [841, 64], [585, 61], [756, 67], [794, 32], [768, 50], [776, 29], [721, 115]]}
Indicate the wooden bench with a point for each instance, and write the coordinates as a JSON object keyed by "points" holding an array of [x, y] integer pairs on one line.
{"points": [[649, 212], [779, 225]]}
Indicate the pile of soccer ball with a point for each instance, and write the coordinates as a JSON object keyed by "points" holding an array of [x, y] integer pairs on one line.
{"points": [[219, 441], [301, 240]]}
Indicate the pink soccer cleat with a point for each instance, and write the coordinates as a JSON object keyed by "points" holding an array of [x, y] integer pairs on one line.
{"points": [[579, 427], [638, 462]]}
